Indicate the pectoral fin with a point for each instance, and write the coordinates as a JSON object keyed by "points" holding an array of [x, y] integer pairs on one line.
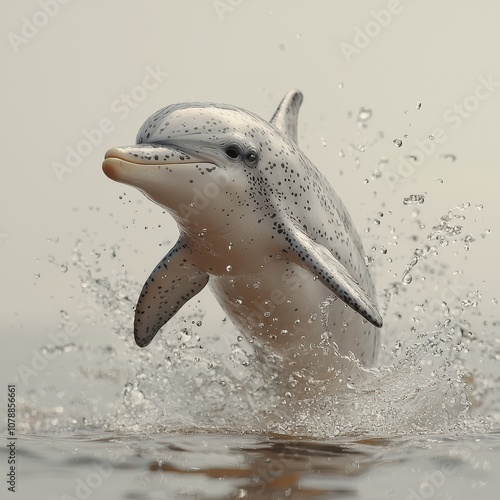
{"points": [[318, 260], [171, 284]]}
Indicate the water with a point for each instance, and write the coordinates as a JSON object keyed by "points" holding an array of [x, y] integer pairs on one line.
{"points": [[197, 416], [215, 466]]}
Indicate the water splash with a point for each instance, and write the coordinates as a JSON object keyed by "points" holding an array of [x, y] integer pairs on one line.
{"points": [[437, 376]]}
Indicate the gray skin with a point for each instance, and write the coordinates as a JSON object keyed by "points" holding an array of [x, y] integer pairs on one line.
{"points": [[262, 226]]}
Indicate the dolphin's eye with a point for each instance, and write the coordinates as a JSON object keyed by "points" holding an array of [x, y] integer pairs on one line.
{"points": [[233, 151], [251, 158]]}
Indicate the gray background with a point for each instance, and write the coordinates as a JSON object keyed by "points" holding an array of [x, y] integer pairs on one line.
{"points": [[69, 75]]}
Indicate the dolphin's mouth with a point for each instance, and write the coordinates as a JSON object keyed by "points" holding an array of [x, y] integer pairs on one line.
{"points": [[129, 163]]}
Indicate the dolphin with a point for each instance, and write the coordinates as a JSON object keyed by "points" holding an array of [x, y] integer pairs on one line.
{"points": [[261, 226]]}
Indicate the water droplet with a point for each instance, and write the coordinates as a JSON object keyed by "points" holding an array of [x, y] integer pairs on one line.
{"points": [[341, 153], [239, 338], [431, 137], [323, 142], [449, 157], [364, 114], [414, 199], [267, 314], [340, 85], [312, 317], [407, 278], [361, 148], [37, 275], [63, 268], [419, 105], [398, 142], [229, 268], [239, 301], [199, 323], [479, 207]]}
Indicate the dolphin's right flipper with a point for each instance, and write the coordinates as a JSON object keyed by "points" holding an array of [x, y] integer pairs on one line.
{"points": [[171, 284], [319, 261]]}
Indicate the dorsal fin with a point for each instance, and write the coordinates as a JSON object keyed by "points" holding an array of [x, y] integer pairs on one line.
{"points": [[286, 116]]}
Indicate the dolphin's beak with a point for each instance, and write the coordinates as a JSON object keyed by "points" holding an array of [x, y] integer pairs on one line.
{"points": [[138, 165]]}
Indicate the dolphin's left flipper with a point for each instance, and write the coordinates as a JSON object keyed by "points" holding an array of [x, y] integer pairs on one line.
{"points": [[171, 284], [318, 260]]}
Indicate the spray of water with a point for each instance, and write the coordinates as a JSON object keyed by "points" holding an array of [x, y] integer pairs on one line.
{"points": [[436, 375]]}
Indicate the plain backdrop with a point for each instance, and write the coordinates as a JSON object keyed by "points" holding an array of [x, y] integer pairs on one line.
{"points": [[71, 68]]}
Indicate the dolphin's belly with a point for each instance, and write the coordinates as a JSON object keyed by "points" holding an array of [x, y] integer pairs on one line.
{"points": [[286, 309]]}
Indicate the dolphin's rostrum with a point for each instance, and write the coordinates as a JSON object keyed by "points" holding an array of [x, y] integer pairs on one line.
{"points": [[260, 224]]}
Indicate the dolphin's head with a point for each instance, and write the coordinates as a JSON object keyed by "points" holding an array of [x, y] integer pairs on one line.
{"points": [[188, 154]]}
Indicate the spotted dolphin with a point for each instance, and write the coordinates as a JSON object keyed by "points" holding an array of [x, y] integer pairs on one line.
{"points": [[261, 226]]}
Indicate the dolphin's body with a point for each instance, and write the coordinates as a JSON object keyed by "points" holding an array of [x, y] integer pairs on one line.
{"points": [[261, 225]]}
